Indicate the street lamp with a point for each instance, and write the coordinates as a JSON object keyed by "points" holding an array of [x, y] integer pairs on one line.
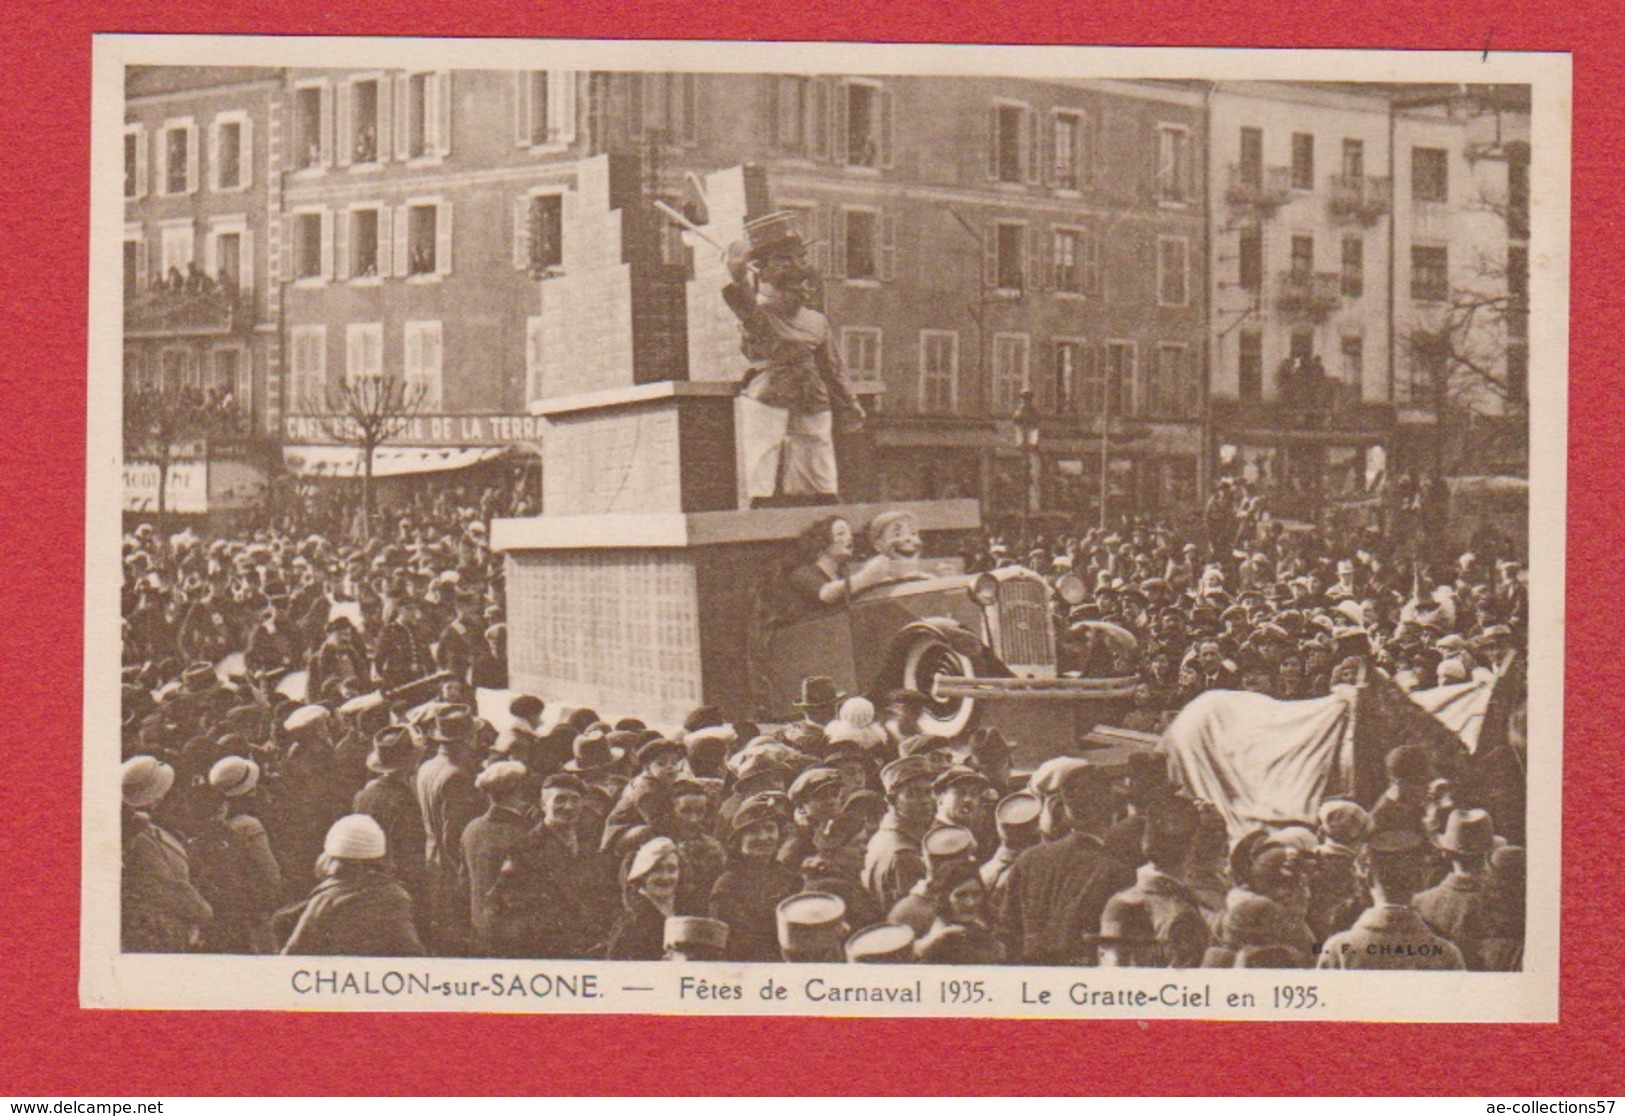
{"points": [[1026, 418]]}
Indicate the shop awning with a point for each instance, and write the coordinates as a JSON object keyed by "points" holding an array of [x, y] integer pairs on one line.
{"points": [[387, 461]]}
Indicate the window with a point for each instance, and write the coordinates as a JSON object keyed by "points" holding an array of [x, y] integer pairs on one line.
{"points": [[939, 371], [545, 107], [1430, 273], [180, 165], [422, 363], [538, 245], [867, 120], [859, 247], [1013, 155], [312, 244], [364, 262], [1353, 370], [364, 350], [1251, 167], [1353, 267], [1077, 387], [228, 255], [1303, 256], [1175, 167], [800, 116], [1173, 271], [1250, 259], [1076, 260], [176, 245], [1071, 152], [1430, 363], [1430, 174], [668, 106], [135, 162], [1301, 345], [178, 369], [309, 368], [1009, 371], [1008, 257], [1353, 158], [1172, 388], [424, 121], [1518, 199], [135, 269], [362, 129], [1517, 291], [1250, 366], [1518, 373], [312, 131], [860, 352], [1303, 161], [224, 372], [424, 229], [1122, 378]]}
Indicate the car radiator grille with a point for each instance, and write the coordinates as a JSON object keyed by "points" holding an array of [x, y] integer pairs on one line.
{"points": [[1024, 628]]}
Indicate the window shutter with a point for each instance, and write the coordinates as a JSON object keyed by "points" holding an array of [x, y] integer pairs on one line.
{"points": [[192, 161], [245, 154], [990, 256], [993, 142], [561, 106], [141, 266], [284, 259], [341, 244], [522, 107], [326, 117], [838, 245], [819, 99], [214, 159], [442, 117], [521, 233], [158, 177], [567, 222], [887, 101], [344, 147], [403, 116], [327, 244], [837, 130], [442, 239], [140, 162], [1037, 274], [245, 280], [211, 264], [385, 129], [1035, 132], [888, 247], [402, 241]]}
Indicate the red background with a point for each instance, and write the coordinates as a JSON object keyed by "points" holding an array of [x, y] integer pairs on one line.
{"points": [[49, 1046]]}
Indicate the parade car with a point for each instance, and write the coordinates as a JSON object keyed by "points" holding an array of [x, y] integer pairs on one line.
{"points": [[981, 647]]}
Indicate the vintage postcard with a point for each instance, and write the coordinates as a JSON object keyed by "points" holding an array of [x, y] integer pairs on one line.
{"points": [[817, 528]]}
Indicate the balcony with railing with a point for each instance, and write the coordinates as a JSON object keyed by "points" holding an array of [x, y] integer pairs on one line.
{"points": [[1309, 295], [1360, 198], [192, 307], [1263, 190]]}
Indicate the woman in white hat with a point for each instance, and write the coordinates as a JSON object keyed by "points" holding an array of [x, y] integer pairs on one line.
{"points": [[232, 863], [162, 911], [358, 909], [650, 890]]}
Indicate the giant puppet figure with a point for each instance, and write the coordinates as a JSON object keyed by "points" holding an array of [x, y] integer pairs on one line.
{"points": [[795, 381]]}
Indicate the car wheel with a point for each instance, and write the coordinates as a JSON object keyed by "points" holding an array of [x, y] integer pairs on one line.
{"points": [[928, 659]]}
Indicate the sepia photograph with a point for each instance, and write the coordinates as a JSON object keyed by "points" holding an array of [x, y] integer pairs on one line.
{"points": [[626, 527]]}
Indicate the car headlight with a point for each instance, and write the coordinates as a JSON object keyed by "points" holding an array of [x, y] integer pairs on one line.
{"points": [[1071, 588], [986, 590]]}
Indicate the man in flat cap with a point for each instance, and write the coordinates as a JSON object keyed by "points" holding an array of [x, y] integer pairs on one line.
{"points": [[1057, 890], [488, 839], [895, 861], [446, 794], [555, 895], [1390, 935], [815, 796]]}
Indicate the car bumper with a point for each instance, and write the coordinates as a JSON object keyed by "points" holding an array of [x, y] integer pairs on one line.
{"points": [[1035, 689]]}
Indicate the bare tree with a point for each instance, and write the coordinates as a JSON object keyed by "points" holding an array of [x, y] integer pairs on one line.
{"points": [[159, 418], [367, 412]]}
